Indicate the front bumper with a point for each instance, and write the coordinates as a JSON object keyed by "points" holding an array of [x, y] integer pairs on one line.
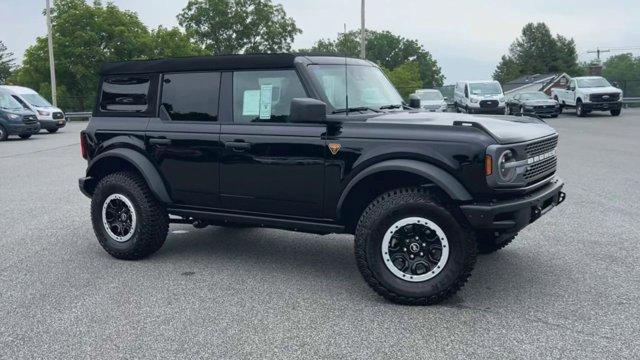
{"points": [[23, 129], [603, 106], [52, 124], [513, 215], [542, 112], [499, 110]]}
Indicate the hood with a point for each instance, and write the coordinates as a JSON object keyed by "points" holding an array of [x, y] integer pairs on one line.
{"points": [[16, 111], [504, 129], [601, 90], [539, 102]]}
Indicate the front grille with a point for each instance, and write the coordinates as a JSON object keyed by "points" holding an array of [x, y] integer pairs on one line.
{"points": [[29, 119], [541, 107], [541, 147], [58, 115], [604, 97], [540, 169], [488, 104]]}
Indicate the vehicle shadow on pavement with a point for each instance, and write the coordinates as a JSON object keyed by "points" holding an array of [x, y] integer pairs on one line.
{"points": [[506, 276]]}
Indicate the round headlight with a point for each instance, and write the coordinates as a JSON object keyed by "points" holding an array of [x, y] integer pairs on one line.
{"points": [[507, 172]]}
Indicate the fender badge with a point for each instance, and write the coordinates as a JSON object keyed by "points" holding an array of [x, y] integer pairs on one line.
{"points": [[334, 148]]}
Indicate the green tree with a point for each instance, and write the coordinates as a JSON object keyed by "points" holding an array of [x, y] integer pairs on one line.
{"points": [[238, 26], [6, 63], [624, 70], [172, 43], [84, 37], [537, 51], [387, 50], [404, 78]]}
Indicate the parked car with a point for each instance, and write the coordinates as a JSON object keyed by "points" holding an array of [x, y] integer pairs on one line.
{"points": [[431, 100], [50, 117], [479, 97], [533, 103], [14, 119], [589, 93], [269, 141]]}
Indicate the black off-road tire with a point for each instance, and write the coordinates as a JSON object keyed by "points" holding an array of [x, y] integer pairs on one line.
{"points": [[397, 204], [52, 131], [24, 136], [489, 243], [152, 225], [616, 112]]}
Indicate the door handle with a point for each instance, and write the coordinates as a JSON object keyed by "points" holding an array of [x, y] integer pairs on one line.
{"points": [[160, 141], [237, 145]]}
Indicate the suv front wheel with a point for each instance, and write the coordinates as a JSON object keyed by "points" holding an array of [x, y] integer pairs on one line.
{"points": [[128, 221], [411, 249]]}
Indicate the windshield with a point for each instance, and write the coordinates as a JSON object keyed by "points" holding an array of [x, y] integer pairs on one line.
{"points": [[368, 87], [36, 100], [534, 96], [7, 102], [489, 88], [430, 95], [593, 82]]}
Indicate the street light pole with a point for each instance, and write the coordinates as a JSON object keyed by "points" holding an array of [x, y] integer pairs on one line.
{"points": [[363, 41], [52, 65]]}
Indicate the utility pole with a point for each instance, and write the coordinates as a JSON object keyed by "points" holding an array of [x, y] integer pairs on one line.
{"points": [[52, 65], [363, 41], [597, 51]]}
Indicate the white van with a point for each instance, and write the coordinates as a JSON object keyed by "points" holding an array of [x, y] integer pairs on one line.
{"points": [[479, 97], [431, 100], [51, 118]]}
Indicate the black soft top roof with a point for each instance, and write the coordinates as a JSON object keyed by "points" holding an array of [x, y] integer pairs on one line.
{"points": [[200, 63]]}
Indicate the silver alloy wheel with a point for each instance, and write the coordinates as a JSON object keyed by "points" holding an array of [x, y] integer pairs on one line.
{"points": [[415, 249], [119, 217]]}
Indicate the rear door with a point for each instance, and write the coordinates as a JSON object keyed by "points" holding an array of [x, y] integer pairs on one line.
{"points": [[184, 140], [268, 164]]}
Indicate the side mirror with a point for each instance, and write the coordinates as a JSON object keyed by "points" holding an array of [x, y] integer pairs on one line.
{"points": [[307, 110], [414, 101]]}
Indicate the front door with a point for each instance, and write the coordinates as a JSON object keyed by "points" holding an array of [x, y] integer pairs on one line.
{"points": [[184, 141], [269, 165]]}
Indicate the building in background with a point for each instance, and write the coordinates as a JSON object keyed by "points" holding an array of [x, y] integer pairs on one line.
{"points": [[536, 82]]}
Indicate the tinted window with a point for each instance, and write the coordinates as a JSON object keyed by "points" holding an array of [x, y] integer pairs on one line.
{"points": [[125, 94], [191, 96], [265, 96]]}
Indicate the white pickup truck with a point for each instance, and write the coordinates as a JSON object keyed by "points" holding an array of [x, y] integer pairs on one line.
{"points": [[589, 93]]}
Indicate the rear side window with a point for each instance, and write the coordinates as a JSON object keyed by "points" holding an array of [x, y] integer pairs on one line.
{"points": [[190, 96], [125, 94]]}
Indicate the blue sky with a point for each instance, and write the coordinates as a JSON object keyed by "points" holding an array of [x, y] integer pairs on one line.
{"points": [[467, 38]]}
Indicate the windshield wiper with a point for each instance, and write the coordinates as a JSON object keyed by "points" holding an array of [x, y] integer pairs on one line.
{"points": [[359, 108], [390, 107]]}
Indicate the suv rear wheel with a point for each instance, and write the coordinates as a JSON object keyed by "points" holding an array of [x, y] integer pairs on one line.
{"points": [[128, 221], [411, 249]]}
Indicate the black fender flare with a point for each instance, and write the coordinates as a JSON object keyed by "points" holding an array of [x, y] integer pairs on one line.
{"points": [[142, 164], [436, 175]]}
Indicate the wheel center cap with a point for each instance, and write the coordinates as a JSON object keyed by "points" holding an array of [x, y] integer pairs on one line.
{"points": [[123, 216], [414, 247]]}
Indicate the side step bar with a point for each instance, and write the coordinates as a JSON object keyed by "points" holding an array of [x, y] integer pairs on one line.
{"points": [[268, 222]]}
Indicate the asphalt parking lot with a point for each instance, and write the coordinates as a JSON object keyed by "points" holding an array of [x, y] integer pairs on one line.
{"points": [[569, 287]]}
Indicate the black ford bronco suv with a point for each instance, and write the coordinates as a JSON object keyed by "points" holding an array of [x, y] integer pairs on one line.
{"points": [[312, 144]]}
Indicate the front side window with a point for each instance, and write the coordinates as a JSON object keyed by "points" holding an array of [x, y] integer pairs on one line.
{"points": [[265, 96], [366, 85], [191, 96], [125, 94], [7, 102]]}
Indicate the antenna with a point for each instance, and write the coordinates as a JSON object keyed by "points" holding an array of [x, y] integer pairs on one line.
{"points": [[346, 80]]}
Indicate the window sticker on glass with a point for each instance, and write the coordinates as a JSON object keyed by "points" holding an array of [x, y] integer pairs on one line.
{"points": [[251, 102], [266, 92]]}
